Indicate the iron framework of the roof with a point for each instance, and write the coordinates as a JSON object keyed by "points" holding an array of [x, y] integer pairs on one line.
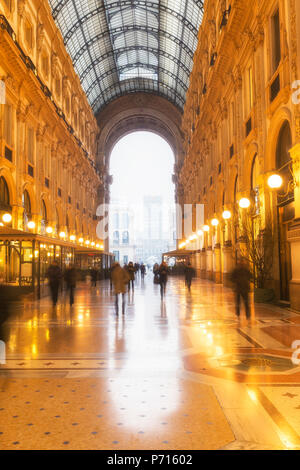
{"points": [[120, 47]]}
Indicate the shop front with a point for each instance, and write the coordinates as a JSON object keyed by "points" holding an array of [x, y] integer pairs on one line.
{"points": [[178, 259], [86, 259], [25, 259]]}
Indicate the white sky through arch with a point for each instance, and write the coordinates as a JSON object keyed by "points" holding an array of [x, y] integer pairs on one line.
{"points": [[142, 164]]}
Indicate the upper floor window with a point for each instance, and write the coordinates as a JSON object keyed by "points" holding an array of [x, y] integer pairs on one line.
{"points": [[275, 41], [125, 238], [116, 238], [8, 5], [8, 125], [67, 103], [30, 145], [57, 87], [125, 220], [116, 221], [45, 65], [255, 173], [28, 31]]}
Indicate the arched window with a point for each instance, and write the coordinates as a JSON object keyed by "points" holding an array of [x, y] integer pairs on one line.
{"points": [[44, 211], [125, 238], [125, 221], [57, 222], [26, 202], [27, 208], [67, 224], [116, 220], [283, 162], [4, 194], [44, 220], [235, 189], [255, 173], [116, 238]]}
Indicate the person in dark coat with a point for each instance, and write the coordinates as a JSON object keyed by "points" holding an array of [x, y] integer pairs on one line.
{"points": [[71, 279], [94, 276], [241, 277], [189, 273], [163, 278], [5, 310], [54, 276], [131, 272], [143, 271]]}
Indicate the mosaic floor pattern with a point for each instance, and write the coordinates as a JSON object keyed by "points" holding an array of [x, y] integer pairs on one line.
{"points": [[184, 373]]}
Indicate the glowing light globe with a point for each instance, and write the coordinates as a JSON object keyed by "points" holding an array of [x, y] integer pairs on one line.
{"points": [[226, 215], [31, 225], [275, 182], [7, 218], [244, 203]]}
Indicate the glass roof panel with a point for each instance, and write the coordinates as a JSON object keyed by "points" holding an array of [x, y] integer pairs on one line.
{"points": [[120, 47]]}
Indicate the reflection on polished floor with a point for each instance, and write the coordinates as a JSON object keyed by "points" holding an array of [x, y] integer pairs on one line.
{"points": [[179, 374]]}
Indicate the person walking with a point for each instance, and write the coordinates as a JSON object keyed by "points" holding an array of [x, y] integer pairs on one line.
{"points": [[156, 273], [163, 278], [71, 279], [131, 271], [54, 275], [143, 271], [94, 276], [189, 273], [241, 277], [120, 279]]}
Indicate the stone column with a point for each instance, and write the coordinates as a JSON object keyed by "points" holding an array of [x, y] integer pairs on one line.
{"points": [[203, 263], [17, 217], [294, 233], [217, 275], [198, 263], [228, 262], [227, 251]]}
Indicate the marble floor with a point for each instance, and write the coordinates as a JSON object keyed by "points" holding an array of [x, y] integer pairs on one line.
{"points": [[182, 374]]}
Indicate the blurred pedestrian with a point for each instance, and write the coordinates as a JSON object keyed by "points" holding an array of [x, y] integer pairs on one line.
{"points": [[71, 280], [120, 279], [54, 275], [5, 310], [241, 277], [189, 273], [94, 276], [156, 273], [131, 271], [143, 271], [163, 278]]}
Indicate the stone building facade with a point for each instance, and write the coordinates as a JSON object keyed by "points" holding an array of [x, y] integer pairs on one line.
{"points": [[48, 133], [241, 125]]}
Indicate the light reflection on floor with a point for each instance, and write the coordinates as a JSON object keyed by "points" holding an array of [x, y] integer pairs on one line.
{"points": [[179, 374]]}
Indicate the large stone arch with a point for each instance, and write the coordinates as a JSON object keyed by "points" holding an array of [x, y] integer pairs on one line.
{"points": [[137, 112]]}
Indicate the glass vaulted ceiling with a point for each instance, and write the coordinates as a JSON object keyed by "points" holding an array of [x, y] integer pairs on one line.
{"points": [[119, 47]]}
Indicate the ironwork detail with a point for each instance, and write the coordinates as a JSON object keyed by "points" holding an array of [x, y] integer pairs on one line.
{"points": [[121, 47]]}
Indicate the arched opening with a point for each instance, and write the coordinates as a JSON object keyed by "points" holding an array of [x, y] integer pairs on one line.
{"points": [[44, 217], [255, 173], [27, 209], [5, 206], [142, 198], [286, 207], [4, 194]]}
